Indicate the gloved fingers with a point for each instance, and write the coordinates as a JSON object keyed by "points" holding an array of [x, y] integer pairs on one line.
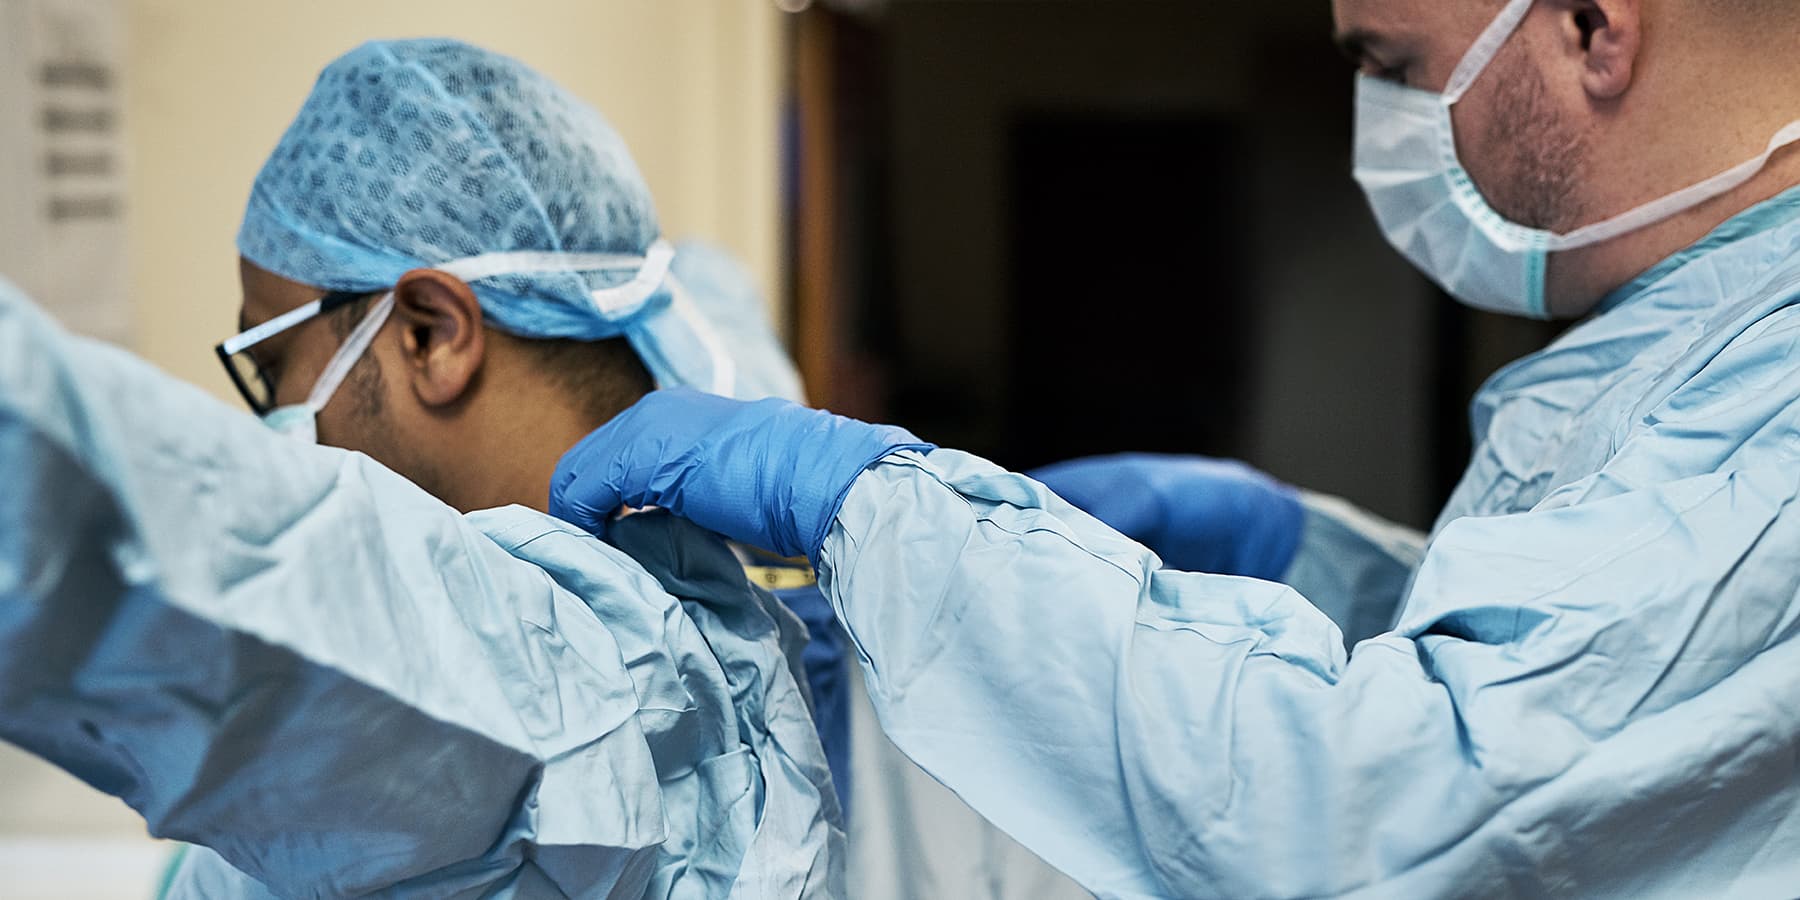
{"points": [[582, 499], [1115, 489], [598, 475], [770, 474]]}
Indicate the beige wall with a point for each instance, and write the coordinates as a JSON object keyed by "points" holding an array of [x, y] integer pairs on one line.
{"points": [[693, 85]]}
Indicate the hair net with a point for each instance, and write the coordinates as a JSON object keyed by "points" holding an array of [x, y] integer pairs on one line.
{"points": [[436, 153]]}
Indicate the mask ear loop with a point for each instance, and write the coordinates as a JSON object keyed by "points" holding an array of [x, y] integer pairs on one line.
{"points": [[646, 280], [1679, 202], [347, 356], [643, 284], [1482, 55], [724, 368], [1485, 49]]}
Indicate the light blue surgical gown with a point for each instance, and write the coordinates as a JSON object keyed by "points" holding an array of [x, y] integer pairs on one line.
{"points": [[298, 659], [1592, 688]]}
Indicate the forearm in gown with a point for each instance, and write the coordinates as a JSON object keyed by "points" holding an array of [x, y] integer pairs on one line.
{"points": [[289, 653], [1158, 733]]}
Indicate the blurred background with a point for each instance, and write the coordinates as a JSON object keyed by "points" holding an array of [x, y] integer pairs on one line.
{"points": [[1037, 230], [1032, 229]]}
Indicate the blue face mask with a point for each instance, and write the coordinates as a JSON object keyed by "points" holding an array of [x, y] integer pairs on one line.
{"points": [[1432, 212], [300, 421]]}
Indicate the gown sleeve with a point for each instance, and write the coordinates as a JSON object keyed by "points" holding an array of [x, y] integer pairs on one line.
{"points": [[1559, 680], [246, 639]]}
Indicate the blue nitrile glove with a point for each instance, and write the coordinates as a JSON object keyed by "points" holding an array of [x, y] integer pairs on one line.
{"points": [[771, 474], [1198, 514]]}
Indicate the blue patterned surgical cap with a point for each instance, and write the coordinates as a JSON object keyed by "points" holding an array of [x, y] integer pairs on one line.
{"points": [[426, 153]]}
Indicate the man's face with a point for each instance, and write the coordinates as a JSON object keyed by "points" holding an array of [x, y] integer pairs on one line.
{"points": [[295, 358], [1517, 134]]}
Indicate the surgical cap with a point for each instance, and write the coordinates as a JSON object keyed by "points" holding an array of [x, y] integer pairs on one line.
{"points": [[421, 153], [725, 295]]}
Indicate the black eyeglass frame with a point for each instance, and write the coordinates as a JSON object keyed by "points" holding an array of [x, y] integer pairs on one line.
{"points": [[243, 341]]}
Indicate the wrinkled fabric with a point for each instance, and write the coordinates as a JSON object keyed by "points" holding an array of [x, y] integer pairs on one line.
{"points": [[826, 660], [1225, 518], [296, 658], [911, 838], [1198, 514], [1353, 565], [431, 152], [791, 849], [1590, 690]]}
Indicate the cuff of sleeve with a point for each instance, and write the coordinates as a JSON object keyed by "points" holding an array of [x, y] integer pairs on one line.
{"points": [[893, 440]]}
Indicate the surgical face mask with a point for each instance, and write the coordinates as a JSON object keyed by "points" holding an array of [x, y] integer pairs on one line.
{"points": [[1431, 211], [300, 421]]}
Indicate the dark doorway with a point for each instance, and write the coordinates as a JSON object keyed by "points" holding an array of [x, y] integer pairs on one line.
{"points": [[1125, 287], [1038, 230]]}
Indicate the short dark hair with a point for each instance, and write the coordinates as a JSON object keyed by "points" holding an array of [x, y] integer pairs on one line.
{"points": [[345, 318], [607, 376]]}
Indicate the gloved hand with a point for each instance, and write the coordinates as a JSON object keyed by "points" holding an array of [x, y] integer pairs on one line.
{"points": [[1198, 514], [771, 474]]}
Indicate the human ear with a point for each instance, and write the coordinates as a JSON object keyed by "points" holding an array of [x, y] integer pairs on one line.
{"points": [[442, 338], [1606, 37]]}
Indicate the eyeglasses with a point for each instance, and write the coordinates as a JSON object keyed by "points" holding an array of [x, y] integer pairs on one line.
{"points": [[238, 355]]}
